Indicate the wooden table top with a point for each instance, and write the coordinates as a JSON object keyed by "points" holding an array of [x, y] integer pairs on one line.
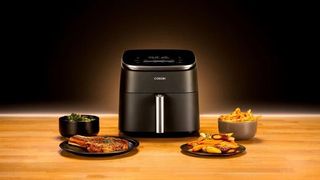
{"points": [[284, 147]]}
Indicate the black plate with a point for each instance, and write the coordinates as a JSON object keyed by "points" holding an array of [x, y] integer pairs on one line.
{"points": [[81, 151], [185, 149]]}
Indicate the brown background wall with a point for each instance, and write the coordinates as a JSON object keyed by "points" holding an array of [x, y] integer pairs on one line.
{"points": [[65, 56]]}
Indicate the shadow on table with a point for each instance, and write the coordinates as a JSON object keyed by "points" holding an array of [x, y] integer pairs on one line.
{"points": [[214, 157], [108, 157], [61, 138]]}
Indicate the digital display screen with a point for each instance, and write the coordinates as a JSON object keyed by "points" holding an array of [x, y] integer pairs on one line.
{"points": [[158, 61], [158, 57]]}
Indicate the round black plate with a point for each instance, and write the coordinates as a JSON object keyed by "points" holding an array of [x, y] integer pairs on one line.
{"points": [[81, 151], [185, 149]]}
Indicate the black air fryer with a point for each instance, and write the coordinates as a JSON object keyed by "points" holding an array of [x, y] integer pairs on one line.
{"points": [[158, 93]]}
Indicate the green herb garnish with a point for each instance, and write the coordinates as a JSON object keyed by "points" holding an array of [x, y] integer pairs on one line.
{"points": [[79, 118]]}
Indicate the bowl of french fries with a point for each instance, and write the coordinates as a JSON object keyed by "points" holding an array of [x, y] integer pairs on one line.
{"points": [[243, 125]]}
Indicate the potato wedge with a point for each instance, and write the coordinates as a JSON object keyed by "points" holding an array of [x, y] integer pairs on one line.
{"points": [[211, 149]]}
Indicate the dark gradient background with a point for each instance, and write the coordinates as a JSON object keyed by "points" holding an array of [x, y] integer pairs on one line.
{"points": [[65, 55]]}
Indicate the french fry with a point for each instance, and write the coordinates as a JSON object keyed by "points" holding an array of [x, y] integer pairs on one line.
{"points": [[197, 148], [210, 142], [238, 116]]}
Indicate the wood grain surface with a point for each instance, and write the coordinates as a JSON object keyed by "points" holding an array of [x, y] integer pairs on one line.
{"points": [[284, 148]]}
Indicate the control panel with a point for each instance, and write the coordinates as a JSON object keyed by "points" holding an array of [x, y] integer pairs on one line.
{"points": [[158, 57]]}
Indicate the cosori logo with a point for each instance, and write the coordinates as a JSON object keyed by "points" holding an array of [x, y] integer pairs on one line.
{"points": [[159, 78]]}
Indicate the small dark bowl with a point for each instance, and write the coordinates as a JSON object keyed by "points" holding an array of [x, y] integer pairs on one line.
{"points": [[70, 128]]}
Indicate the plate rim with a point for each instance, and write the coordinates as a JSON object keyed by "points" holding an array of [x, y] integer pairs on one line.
{"points": [[134, 142], [203, 154]]}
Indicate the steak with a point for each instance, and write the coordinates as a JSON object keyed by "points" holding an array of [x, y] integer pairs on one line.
{"points": [[99, 143]]}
